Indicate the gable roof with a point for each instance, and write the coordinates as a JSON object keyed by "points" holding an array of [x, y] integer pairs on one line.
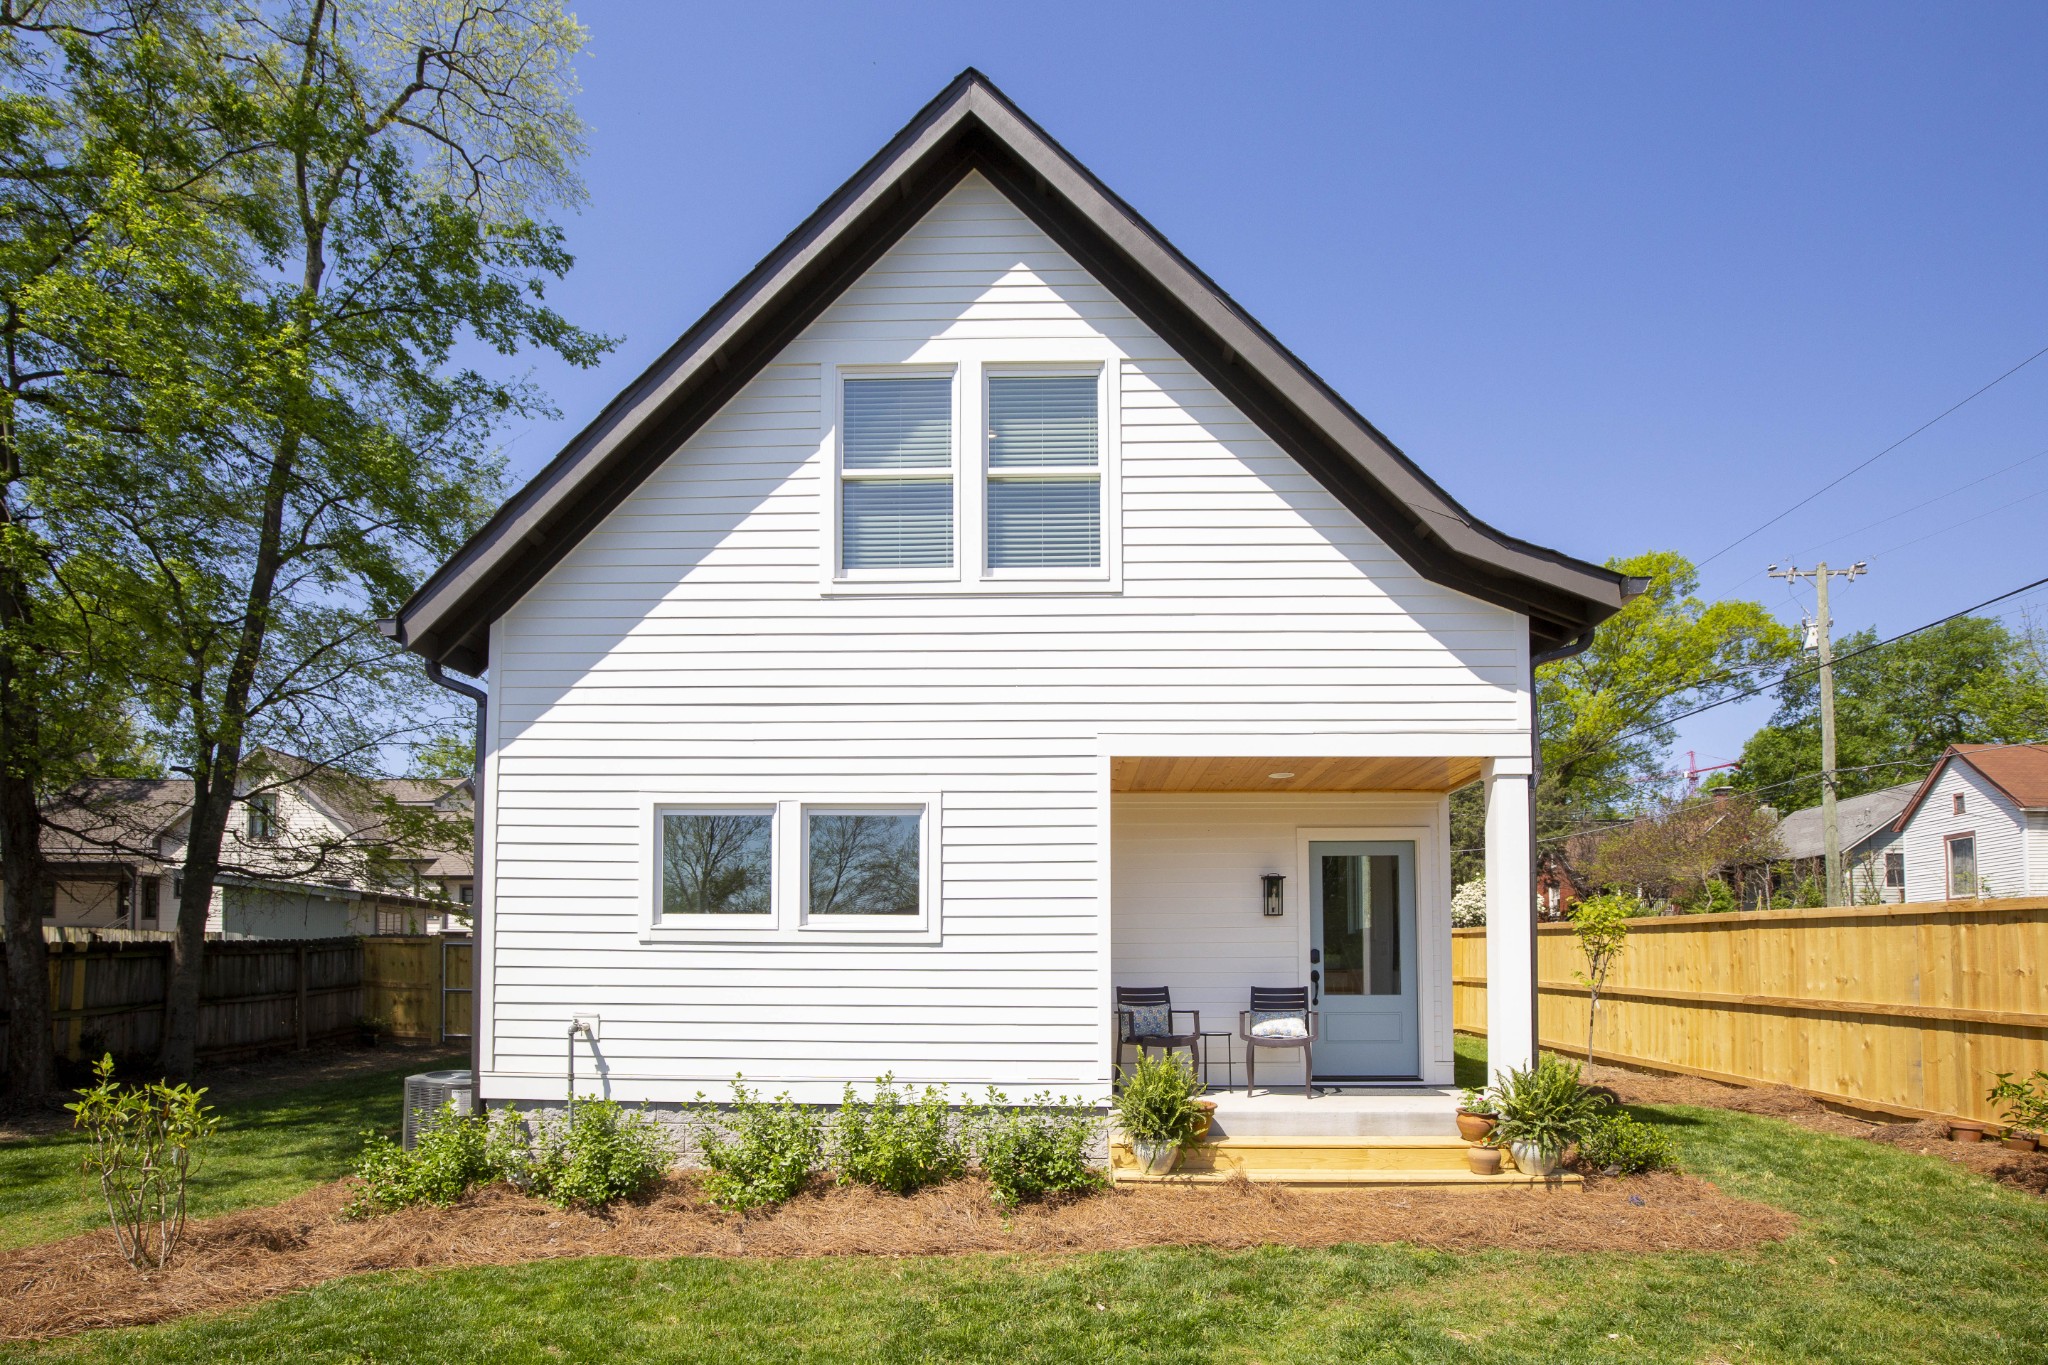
{"points": [[1859, 818], [972, 126], [2018, 771]]}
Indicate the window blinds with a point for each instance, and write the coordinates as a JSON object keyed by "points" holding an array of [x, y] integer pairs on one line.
{"points": [[1045, 481], [896, 499]]}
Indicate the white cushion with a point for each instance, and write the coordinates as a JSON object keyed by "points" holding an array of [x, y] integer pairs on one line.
{"points": [[1271, 1024]]}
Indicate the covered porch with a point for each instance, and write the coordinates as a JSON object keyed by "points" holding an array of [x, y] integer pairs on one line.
{"points": [[1359, 917]]}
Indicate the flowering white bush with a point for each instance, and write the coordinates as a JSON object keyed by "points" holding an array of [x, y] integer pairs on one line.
{"points": [[1468, 904]]}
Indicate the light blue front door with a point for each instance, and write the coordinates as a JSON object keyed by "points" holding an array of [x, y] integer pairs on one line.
{"points": [[1362, 936]]}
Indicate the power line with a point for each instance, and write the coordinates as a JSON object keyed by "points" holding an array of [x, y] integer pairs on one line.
{"points": [[1953, 407], [1909, 511], [1803, 669]]}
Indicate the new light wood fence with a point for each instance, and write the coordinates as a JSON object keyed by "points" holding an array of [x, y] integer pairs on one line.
{"points": [[1905, 1009], [107, 995]]}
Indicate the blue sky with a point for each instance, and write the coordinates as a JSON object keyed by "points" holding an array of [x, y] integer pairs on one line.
{"points": [[1619, 276]]}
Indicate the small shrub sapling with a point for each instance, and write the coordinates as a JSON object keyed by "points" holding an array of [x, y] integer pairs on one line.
{"points": [[144, 1144], [1044, 1146], [757, 1152], [896, 1142], [1601, 927]]}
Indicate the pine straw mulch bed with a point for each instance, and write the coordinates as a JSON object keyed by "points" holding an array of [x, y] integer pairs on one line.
{"points": [[81, 1283], [2026, 1171]]}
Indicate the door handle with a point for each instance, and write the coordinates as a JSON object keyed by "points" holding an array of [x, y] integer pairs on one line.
{"points": [[1315, 988]]}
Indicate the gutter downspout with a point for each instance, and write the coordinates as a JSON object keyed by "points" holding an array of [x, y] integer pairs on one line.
{"points": [[476, 910]]}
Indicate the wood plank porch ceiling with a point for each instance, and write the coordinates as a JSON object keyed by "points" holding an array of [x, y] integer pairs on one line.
{"points": [[1308, 774]]}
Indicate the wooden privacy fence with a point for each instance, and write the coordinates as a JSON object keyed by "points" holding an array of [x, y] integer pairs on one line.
{"points": [[256, 994], [1905, 1009], [418, 984]]}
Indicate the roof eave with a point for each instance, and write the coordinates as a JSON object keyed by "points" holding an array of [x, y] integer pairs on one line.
{"points": [[972, 126]]}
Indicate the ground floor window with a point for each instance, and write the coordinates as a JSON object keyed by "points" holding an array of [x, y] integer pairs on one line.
{"points": [[1962, 866]]}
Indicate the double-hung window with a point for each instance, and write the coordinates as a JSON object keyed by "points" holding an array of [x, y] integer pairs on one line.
{"points": [[1044, 472], [896, 475]]}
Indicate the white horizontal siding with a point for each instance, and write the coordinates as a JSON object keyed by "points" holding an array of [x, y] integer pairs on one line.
{"points": [[686, 647], [1998, 825]]}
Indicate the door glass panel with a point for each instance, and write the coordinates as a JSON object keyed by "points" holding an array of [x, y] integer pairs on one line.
{"points": [[1361, 913]]}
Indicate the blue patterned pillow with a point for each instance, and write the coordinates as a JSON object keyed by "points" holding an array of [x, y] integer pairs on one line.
{"points": [[1147, 1021]]}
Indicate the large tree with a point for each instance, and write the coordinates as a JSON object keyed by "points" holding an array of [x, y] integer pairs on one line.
{"points": [[1608, 714], [1897, 706], [389, 206], [105, 260]]}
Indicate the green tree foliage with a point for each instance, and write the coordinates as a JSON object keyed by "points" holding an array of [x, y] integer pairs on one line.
{"points": [[1968, 681], [379, 180], [1607, 714]]}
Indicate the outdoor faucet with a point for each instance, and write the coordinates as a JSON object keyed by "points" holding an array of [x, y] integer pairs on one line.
{"points": [[577, 1024]]}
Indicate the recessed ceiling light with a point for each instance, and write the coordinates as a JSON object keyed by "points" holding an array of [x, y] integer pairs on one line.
{"points": [[1279, 777]]}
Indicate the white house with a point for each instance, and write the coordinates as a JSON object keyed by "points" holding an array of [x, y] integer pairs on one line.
{"points": [[1872, 859], [960, 621], [304, 856], [1978, 825]]}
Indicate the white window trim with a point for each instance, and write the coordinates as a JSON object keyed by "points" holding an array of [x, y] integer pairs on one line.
{"points": [[790, 884], [711, 928], [970, 472], [863, 926], [890, 579], [1009, 579]]}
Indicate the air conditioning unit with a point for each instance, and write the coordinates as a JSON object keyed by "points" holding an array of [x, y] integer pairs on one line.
{"points": [[428, 1092]]}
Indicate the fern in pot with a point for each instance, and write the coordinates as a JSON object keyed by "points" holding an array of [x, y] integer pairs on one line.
{"points": [[1158, 1111], [1541, 1111]]}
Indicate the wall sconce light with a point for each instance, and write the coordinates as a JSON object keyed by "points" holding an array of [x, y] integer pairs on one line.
{"points": [[1274, 886]]}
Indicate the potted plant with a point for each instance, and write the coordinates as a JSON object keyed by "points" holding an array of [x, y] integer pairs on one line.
{"points": [[370, 1030], [1476, 1116], [1158, 1110], [1542, 1111], [2025, 1106]]}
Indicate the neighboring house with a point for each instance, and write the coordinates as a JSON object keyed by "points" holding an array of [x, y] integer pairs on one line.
{"points": [[1873, 862], [1978, 824], [302, 858], [975, 612]]}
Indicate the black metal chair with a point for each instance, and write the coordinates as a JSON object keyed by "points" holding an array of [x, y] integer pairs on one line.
{"points": [[1278, 1007], [1144, 1020]]}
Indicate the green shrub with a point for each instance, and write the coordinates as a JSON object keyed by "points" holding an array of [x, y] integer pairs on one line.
{"points": [[895, 1142], [451, 1154], [756, 1152], [2023, 1102], [597, 1153], [1626, 1145], [1545, 1106], [1040, 1148], [1157, 1102], [144, 1146]]}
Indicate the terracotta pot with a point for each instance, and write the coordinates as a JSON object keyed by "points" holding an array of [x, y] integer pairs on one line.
{"points": [[1483, 1160], [1208, 1108], [1535, 1161], [1966, 1132], [1154, 1158], [1474, 1127], [2021, 1142]]}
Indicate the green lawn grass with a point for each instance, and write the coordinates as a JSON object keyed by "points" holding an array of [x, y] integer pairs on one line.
{"points": [[268, 1149], [1904, 1258]]}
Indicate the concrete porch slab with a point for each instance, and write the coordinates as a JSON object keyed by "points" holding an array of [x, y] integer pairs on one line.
{"points": [[1424, 1111]]}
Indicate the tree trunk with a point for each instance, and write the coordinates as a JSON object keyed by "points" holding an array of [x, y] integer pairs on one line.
{"points": [[179, 1055], [23, 876]]}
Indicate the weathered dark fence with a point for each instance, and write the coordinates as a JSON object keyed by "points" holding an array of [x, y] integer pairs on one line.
{"points": [[256, 995]]}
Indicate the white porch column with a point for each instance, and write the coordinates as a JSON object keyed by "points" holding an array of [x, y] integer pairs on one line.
{"points": [[1510, 917]]}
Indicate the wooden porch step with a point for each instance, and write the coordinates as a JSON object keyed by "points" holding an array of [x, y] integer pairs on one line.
{"points": [[1331, 1161]]}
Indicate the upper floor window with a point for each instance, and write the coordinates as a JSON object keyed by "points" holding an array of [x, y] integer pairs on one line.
{"points": [[262, 817], [1958, 803], [896, 473], [1044, 472]]}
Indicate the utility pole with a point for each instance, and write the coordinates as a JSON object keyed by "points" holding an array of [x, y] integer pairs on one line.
{"points": [[1823, 626]]}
